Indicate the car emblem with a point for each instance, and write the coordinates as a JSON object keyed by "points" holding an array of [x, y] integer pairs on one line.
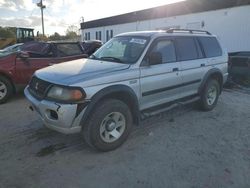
{"points": [[36, 86]]}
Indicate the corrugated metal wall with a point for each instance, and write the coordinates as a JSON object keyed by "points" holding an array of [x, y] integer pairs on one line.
{"points": [[231, 25]]}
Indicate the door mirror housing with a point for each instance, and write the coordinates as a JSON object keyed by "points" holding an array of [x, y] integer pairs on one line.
{"points": [[155, 58]]}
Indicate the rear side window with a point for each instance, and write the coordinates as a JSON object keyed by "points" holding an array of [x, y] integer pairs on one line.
{"points": [[186, 48], [167, 50], [211, 46]]}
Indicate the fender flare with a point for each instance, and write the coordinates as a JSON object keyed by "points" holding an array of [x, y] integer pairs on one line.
{"points": [[106, 92], [208, 75]]}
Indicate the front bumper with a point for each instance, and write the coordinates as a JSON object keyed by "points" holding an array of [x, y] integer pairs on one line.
{"points": [[63, 118]]}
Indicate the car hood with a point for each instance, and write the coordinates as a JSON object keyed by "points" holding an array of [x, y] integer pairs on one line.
{"points": [[72, 72]]}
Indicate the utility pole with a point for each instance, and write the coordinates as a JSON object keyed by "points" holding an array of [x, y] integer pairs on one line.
{"points": [[42, 7]]}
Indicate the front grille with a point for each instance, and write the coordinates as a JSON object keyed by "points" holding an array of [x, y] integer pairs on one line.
{"points": [[38, 87]]}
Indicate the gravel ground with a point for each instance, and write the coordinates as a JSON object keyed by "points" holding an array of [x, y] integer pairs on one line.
{"points": [[180, 148]]}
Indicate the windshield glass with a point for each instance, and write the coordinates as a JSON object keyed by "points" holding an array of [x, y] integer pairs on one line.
{"points": [[5, 53], [121, 49]]}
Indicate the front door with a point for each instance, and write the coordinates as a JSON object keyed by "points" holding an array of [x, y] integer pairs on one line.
{"points": [[160, 83], [25, 68]]}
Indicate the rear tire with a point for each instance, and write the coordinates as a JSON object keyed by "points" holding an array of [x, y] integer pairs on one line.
{"points": [[6, 89], [210, 95], [108, 126]]}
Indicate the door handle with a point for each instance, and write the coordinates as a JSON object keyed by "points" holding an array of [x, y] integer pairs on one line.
{"points": [[203, 65], [175, 69]]}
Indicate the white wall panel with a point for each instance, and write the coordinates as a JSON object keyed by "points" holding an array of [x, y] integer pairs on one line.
{"points": [[232, 26]]}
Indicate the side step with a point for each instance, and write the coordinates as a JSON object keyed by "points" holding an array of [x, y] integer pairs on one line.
{"points": [[168, 106]]}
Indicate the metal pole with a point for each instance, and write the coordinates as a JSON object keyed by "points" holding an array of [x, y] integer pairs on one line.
{"points": [[42, 7]]}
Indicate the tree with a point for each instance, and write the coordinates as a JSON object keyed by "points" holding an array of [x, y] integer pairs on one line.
{"points": [[56, 36], [72, 32], [6, 32]]}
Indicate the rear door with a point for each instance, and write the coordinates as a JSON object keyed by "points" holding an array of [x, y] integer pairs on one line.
{"points": [[192, 64], [160, 83]]}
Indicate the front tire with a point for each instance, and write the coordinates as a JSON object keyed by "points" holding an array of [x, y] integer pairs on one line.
{"points": [[108, 126], [210, 95], [6, 89]]}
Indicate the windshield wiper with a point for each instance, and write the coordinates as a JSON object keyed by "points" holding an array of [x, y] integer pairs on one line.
{"points": [[112, 59]]}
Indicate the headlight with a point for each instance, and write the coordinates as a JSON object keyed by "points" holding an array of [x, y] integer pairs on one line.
{"points": [[66, 94]]}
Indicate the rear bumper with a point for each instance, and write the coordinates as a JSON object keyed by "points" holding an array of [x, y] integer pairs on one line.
{"points": [[59, 117]]}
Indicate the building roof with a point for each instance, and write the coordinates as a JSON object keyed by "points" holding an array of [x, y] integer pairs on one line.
{"points": [[170, 10]]}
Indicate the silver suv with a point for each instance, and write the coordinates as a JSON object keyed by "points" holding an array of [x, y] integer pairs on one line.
{"points": [[132, 76]]}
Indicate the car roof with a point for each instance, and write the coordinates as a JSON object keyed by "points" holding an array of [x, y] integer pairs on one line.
{"points": [[62, 42], [167, 33]]}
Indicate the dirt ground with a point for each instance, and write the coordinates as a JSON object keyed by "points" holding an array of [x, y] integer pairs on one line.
{"points": [[180, 148]]}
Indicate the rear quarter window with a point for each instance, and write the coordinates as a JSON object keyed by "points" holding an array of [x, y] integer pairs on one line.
{"points": [[210, 46]]}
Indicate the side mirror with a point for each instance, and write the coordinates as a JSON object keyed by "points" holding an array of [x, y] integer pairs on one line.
{"points": [[155, 58], [24, 55]]}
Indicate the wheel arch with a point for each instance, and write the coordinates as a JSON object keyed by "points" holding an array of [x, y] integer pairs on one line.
{"points": [[120, 92], [3, 74], [214, 73]]}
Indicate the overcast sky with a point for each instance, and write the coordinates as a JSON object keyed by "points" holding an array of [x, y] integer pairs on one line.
{"points": [[59, 14]]}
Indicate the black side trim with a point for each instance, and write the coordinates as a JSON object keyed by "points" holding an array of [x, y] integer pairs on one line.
{"points": [[80, 107], [207, 77], [169, 88], [109, 91]]}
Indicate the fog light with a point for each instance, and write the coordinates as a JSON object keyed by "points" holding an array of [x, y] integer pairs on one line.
{"points": [[53, 115]]}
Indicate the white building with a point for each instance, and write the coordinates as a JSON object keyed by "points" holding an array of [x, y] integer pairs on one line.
{"points": [[228, 19]]}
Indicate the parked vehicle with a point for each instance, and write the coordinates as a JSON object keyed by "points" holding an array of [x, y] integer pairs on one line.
{"points": [[16, 69], [133, 75], [239, 64], [90, 46]]}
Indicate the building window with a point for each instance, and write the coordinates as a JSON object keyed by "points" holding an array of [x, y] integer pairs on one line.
{"points": [[109, 34], [87, 36], [98, 35]]}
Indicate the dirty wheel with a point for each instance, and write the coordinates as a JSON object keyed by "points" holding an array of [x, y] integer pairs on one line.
{"points": [[108, 126], [6, 89], [210, 95]]}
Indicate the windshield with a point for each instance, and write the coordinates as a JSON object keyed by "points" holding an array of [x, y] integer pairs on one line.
{"points": [[5, 53], [12, 48], [124, 49]]}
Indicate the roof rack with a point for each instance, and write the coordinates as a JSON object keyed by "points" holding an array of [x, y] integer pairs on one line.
{"points": [[187, 30]]}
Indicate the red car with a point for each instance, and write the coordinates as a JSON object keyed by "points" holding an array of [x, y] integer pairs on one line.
{"points": [[17, 68]]}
